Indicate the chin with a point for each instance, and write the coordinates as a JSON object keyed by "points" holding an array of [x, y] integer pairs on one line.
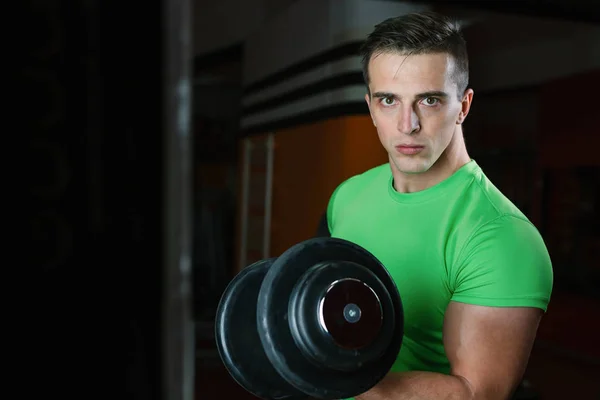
{"points": [[411, 166]]}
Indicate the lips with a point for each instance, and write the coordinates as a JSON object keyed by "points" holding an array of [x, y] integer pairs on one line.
{"points": [[409, 149]]}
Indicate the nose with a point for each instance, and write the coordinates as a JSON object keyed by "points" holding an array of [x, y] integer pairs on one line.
{"points": [[408, 121]]}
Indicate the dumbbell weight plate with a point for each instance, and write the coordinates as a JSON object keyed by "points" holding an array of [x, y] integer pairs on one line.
{"points": [[336, 316], [237, 338], [277, 295]]}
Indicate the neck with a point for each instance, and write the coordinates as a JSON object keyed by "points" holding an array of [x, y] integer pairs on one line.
{"points": [[451, 160]]}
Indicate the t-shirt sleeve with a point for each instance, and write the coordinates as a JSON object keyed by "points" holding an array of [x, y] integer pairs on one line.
{"points": [[505, 263]]}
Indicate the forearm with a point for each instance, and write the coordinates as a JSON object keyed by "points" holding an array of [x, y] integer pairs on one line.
{"points": [[419, 386]]}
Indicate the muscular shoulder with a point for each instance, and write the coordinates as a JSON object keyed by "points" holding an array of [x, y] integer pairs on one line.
{"points": [[503, 259], [504, 263], [496, 256]]}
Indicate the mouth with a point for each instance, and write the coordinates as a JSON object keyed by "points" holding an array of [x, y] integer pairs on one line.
{"points": [[409, 150]]}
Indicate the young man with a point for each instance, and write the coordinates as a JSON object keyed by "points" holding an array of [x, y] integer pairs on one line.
{"points": [[473, 273]]}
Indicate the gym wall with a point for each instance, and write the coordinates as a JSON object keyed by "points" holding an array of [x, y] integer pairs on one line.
{"points": [[221, 24], [510, 52]]}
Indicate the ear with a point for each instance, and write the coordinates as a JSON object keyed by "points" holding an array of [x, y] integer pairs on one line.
{"points": [[368, 100], [466, 102]]}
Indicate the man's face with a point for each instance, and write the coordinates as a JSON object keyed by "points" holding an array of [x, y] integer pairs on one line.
{"points": [[415, 106]]}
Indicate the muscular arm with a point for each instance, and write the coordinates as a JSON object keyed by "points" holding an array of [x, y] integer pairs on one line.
{"points": [[488, 349]]}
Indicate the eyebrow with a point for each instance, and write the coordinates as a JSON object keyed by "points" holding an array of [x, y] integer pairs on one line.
{"points": [[433, 93]]}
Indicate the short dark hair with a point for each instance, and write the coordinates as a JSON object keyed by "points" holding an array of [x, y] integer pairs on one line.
{"points": [[419, 33]]}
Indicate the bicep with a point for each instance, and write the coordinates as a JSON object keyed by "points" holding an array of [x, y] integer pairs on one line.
{"points": [[490, 346]]}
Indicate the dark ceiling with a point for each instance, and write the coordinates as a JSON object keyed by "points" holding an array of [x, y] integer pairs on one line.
{"points": [[586, 11]]}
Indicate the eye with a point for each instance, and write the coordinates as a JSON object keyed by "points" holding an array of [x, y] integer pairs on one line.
{"points": [[388, 101], [430, 101]]}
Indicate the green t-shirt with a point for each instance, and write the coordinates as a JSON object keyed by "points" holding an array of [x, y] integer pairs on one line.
{"points": [[460, 240]]}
